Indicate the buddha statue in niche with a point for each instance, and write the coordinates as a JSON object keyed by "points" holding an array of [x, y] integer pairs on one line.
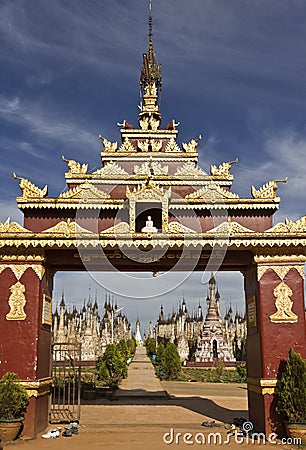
{"points": [[149, 228]]}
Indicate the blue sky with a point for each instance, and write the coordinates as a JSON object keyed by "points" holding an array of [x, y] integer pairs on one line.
{"points": [[233, 71]]}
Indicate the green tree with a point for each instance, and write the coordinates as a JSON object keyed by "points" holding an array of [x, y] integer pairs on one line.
{"points": [[172, 362], [13, 397], [150, 346], [103, 372], [291, 397], [124, 349], [242, 372], [115, 363], [160, 360], [131, 343], [160, 353]]}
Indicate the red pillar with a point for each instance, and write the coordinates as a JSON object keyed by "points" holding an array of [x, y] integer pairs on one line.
{"points": [[276, 322], [25, 335]]}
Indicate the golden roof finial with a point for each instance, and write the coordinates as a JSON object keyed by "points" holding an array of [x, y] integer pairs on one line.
{"points": [[150, 77]]}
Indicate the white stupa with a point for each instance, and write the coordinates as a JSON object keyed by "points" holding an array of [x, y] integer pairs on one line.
{"points": [[138, 338]]}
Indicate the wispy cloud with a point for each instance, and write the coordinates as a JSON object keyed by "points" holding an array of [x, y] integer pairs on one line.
{"points": [[9, 209]]}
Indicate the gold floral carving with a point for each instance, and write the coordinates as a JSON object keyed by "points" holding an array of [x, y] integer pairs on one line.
{"points": [[132, 215], [109, 170], [172, 146], [144, 123], [296, 227], [281, 271], [273, 255], [67, 229], [109, 147], [178, 228], [211, 193], [144, 146], [230, 228], [156, 146], [268, 190], [165, 213], [74, 167], [84, 192], [299, 226], [151, 167], [14, 254], [154, 123], [191, 147], [12, 227], [283, 304], [127, 146], [148, 191], [224, 170], [119, 228], [17, 302], [19, 269], [29, 190], [190, 170]]}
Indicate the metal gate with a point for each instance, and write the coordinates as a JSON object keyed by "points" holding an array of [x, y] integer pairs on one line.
{"points": [[66, 386]]}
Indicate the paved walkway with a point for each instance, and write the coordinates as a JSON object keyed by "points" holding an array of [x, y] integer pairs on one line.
{"points": [[142, 415], [141, 380], [142, 422]]}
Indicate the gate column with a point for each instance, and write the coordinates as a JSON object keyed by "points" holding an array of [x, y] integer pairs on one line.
{"points": [[25, 332], [276, 321]]}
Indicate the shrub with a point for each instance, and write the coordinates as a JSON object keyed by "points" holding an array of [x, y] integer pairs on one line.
{"points": [[291, 395], [113, 363], [172, 362], [103, 372], [13, 398], [219, 371], [124, 349], [242, 372], [131, 343], [150, 346]]}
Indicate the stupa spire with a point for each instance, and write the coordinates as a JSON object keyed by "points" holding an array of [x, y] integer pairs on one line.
{"points": [[150, 76]]}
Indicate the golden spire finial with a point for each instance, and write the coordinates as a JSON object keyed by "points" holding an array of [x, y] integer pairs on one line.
{"points": [[150, 77]]}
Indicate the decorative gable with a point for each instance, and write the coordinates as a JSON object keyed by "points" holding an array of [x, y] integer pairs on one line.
{"points": [[67, 228], [211, 193], [178, 228], [119, 228], [289, 226], [172, 146], [151, 167], [148, 191], [230, 228], [84, 191], [190, 170], [12, 227], [110, 170]]}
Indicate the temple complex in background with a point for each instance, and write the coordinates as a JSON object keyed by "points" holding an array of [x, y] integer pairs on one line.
{"points": [[205, 341], [88, 328]]}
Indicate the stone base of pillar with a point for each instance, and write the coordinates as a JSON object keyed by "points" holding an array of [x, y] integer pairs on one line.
{"points": [[262, 407], [37, 416]]}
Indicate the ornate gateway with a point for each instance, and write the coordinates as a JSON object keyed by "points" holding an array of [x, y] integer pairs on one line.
{"points": [[101, 223]]}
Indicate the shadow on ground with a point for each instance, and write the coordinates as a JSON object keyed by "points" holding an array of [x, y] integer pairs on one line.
{"points": [[203, 406]]}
